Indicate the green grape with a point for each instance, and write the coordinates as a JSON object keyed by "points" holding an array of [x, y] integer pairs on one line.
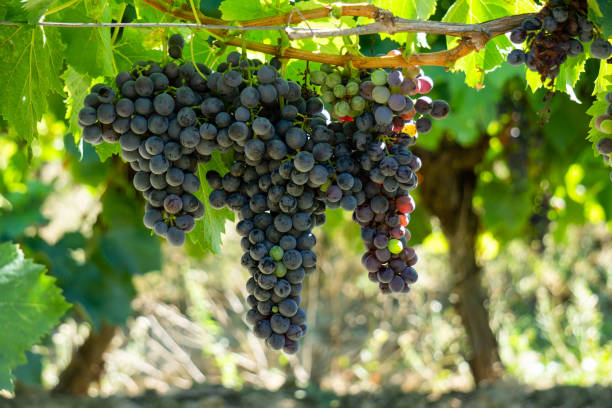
{"points": [[324, 88], [381, 94], [333, 79], [342, 108], [327, 68], [339, 91], [379, 77], [318, 77], [328, 97], [358, 103], [352, 88], [281, 270], [276, 253], [395, 246]]}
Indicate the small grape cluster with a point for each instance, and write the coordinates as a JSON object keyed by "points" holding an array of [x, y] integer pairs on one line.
{"points": [[603, 123], [388, 171], [374, 166], [153, 121], [556, 33]]}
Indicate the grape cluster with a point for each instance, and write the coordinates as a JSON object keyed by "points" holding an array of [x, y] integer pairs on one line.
{"points": [[603, 123], [289, 163], [375, 169], [154, 119], [557, 32], [273, 186]]}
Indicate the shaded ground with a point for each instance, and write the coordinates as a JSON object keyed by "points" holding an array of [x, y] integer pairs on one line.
{"points": [[501, 395]]}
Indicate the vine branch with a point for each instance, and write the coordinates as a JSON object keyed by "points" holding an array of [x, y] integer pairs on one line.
{"points": [[473, 36]]}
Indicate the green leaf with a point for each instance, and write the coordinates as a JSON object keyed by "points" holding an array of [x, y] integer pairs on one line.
{"points": [[30, 305], [207, 232], [603, 17], [409, 9], [30, 67], [23, 210], [137, 45], [604, 77], [234, 10], [13, 10], [78, 87], [36, 9], [88, 50], [102, 292], [106, 150], [477, 64], [569, 73]]}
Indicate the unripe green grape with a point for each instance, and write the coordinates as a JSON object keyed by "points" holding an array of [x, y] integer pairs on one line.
{"points": [[276, 253], [339, 91], [328, 97], [324, 88], [333, 79], [395, 246], [318, 77], [381, 94], [281, 270], [327, 68], [342, 108], [352, 88], [358, 103], [379, 77], [603, 123]]}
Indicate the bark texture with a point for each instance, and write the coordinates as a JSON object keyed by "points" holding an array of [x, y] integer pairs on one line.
{"points": [[447, 188], [87, 362]]}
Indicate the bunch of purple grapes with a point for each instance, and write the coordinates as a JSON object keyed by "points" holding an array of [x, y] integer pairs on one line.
{"points": [[558, 31], [277, 137], [154, 119], [290, 163]]}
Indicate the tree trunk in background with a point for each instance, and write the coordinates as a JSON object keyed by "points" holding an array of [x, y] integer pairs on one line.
{"points": [[449, 181], [87, 362]]}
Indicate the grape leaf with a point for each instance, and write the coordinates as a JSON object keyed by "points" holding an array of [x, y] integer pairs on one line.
{"points": [[106, 150], [30, 66], [13, 10], [233, 10], [36, 9], [31, 304], [137, 45], [208, 230], [569, 73], [603, 82], [88, 50], [603, 17], [409, 9], [477, 64], [78, 87], [23, 210], [102, 292]]}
